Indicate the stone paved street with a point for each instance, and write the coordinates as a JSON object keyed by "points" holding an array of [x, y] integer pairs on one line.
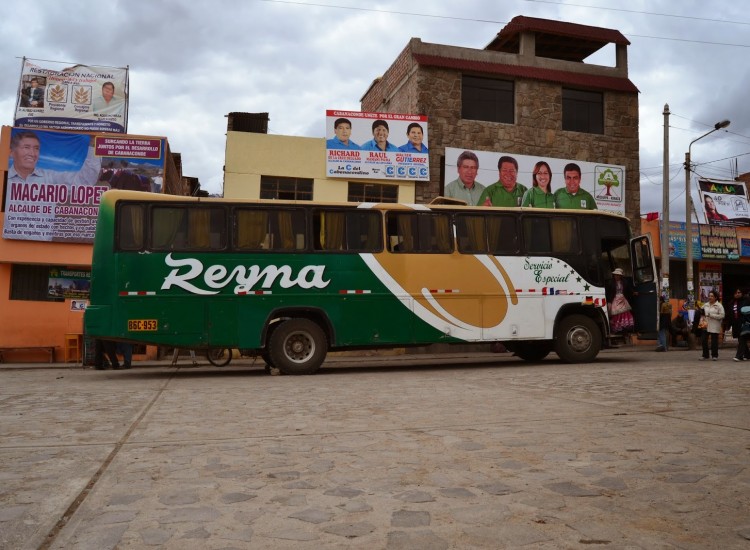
{"points": [[637, 450]]}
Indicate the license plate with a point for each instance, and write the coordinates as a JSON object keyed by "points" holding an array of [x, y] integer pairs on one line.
{"points": [[142, 325]]}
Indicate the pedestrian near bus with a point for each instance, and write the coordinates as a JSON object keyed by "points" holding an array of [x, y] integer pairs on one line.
{"points": [[665, 323], [713, 311]]}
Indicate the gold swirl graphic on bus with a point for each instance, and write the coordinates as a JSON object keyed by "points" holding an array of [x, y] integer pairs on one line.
{"points": [[450, 287]]}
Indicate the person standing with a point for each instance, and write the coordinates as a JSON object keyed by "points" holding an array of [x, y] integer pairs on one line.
{"points": [[572, 196], [665, 323], [506, 191], [713, 311], [539, 195], [466, 187], [619, 294]]}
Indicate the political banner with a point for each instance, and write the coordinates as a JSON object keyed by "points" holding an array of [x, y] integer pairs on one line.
{"points": [[564, 183], [678, 241], [81, 98], [56, 180], [719, 243], [384, 146], [724, 202]]}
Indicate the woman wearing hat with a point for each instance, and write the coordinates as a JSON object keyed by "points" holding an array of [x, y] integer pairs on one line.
{"points": [[619, 295]]}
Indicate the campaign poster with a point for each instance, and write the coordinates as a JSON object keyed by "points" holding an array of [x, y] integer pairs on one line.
{"points": [[604, 184], [56, 180], [719, 243], [81, 98], [385, 146], [678, 242], [724, 202]]}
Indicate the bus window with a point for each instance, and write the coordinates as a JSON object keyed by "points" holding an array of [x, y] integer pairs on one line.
{"points": [[536, 235], [419, 232], [353, 230], [183, 228], [130, 227], [364, 231], [169, 228], [502, 234], [206, 228], [564, 234], [471, 234], [262, 229]]}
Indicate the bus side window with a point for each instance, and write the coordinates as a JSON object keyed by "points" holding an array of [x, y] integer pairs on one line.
{"points": [[502, 234], [471, 234], [330, 229], [434, 233], [564, 236], [130, 223], [206, 228], [168, 228], [400, 231], [536, 235], [251, 229], [364, 231]]}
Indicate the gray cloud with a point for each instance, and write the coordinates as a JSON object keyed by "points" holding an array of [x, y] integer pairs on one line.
{"points": [[193, 62]]}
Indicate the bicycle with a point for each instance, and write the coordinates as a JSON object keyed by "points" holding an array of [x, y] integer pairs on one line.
{"points": [[219, 357]]}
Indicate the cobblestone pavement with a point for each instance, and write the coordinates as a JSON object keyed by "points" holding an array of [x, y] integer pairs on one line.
{"points": [[637, 450]]}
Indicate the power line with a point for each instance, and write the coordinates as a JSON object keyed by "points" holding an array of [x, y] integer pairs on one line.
{"points": [[639, 12], [495, 22]]}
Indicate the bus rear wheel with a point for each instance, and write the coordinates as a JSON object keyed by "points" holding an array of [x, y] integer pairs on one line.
{"points": [[578, 340], [297, 346]]}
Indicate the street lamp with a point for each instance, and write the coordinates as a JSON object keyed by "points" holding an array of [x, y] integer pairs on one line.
{"points": [[688, 211]]}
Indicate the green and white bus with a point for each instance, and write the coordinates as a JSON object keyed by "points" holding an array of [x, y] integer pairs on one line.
{"points": [[293, 280]]}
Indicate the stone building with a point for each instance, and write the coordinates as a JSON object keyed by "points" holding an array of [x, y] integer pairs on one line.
{"points": [[528, 92]]}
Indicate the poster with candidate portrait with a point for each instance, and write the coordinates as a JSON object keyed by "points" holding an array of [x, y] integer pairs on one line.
{"points": [[385, 146], [56, 180], [604, 183], [724, 202], [81, 98]]}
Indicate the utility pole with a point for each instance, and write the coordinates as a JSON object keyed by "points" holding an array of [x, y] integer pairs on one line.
{"points": [[689, 213], [664, 237]]}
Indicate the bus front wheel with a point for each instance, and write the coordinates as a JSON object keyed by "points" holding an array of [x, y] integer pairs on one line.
{"points": [[578, 339], [297, 346]]}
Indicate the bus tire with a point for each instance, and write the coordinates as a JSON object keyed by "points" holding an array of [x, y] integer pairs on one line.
{"points": [[219, 357], [578, 339], [532, 351], [297, 346]]}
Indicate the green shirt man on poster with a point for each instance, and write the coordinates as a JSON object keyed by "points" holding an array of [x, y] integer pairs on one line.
{"points": [[506, 191], [572, 196]]}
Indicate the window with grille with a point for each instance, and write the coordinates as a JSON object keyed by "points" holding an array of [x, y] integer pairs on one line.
{"points": [[583, 111], [487, 99], [372, 192], [293, 189]]}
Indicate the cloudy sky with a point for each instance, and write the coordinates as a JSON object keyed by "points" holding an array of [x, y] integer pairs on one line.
{"points": [[193, 61]]}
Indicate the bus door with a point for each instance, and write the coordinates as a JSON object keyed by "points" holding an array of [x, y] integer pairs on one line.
{"points": [[646, 297]]}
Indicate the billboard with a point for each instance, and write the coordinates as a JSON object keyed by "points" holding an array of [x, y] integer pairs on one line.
{"points": [[384, 146], [724, 202], [81, 98], [56, 179], [600, 186]]}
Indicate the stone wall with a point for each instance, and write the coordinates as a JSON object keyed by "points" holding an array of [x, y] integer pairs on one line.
{"points": [[436, 93]]}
